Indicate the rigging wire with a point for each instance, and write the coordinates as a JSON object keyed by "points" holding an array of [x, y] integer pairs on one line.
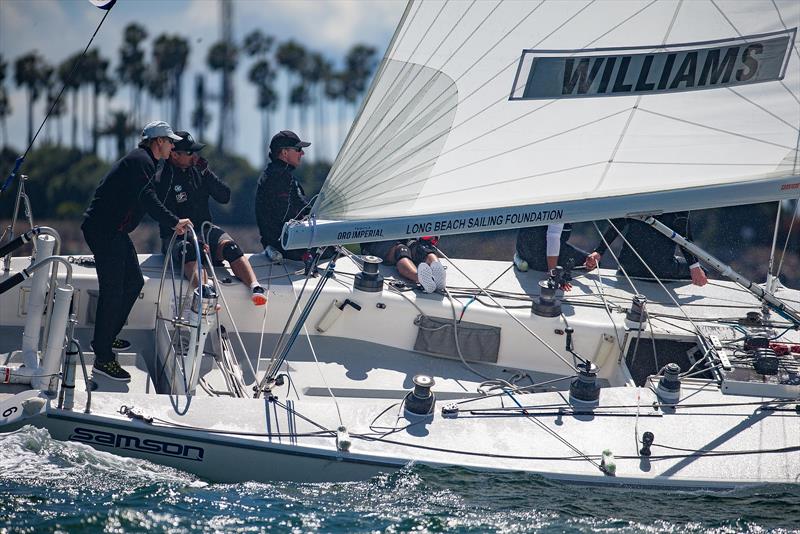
{"points": [[794, 218], [511, 315], [21, 159]]}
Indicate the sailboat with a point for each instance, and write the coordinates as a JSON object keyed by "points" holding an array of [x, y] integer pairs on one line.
{"points": [[482, 116]]}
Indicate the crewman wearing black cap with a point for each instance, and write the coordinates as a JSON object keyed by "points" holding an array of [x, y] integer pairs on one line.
{"points": [[279, 196], [119, 204], [186, 185]]}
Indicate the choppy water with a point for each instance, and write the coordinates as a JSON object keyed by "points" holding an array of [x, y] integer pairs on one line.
{"points": [[48, 485]]}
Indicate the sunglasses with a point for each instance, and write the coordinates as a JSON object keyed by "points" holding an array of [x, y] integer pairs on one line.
{"points": [[184, 152], [296, 149]]}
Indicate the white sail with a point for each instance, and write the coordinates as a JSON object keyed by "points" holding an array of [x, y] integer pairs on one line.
{"points": [[488, 115]]}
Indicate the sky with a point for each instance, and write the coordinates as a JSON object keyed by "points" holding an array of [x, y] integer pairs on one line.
{"points": [[59, 28]]}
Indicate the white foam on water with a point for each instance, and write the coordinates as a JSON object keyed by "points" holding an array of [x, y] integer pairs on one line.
{"points": [[32, 454]]}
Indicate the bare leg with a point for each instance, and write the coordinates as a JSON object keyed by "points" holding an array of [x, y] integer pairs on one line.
{"points": [[407, 269], [240, 266], [190, 270]]}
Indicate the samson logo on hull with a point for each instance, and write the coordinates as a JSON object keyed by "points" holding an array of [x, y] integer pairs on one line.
{"points": [[133, 443], [662, 69]]}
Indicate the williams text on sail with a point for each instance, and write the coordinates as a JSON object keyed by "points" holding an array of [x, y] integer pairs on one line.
{"points": [[659, 69]]}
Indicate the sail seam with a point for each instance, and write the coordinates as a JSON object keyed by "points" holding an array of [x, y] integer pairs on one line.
{"points": [[635, 107], [356, 179], [733, 26], [333, 206], [780, 18], [396, 38], [715, 129], [366, 149], [509, 181], [378, 168], [404, 72], [534, 142], [762, 108]]}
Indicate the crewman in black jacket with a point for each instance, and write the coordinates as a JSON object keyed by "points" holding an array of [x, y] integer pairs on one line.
{"points": [[186, 185], [119, 204], [655, 249], [279, 197]]}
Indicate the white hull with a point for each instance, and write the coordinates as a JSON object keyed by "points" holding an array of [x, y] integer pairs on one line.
{"points": [[714, 438]]}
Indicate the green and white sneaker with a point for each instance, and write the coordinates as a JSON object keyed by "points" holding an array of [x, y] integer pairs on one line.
{"points": [[112, 370], [519, 263], [120, 345]]}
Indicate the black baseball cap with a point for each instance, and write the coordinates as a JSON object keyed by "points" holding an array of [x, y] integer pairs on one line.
{"points": [[187, 143], [285, 139]]}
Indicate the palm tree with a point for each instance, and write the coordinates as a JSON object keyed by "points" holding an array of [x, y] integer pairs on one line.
{"points": [[334, 90], [262, 75], [223, 57], [95, 70], [257, 45], [28, 73], [200, 115], [156, 86], [300, 98], [132, 69], [315, 71], [170, 54], [360, 63], [267, 102], [5, 106], [55, 108], [121, 128], [72, 85], [290, 55]]}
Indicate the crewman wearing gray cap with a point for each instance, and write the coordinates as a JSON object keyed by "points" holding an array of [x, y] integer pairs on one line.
{"points": [[119, 204]]}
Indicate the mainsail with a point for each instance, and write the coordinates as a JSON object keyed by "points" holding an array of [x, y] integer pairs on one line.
{"points": [[487, 115]]}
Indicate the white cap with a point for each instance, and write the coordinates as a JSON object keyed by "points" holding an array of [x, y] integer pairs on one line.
{"points": [[158, 129]]}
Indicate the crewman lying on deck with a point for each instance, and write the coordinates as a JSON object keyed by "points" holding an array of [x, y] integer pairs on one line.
{"points": [[415, 260], [656, 250], [186, 185]]}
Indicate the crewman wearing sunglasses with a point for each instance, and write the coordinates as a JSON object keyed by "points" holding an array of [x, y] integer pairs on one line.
{"points": [[186, 185], [279, 196]]}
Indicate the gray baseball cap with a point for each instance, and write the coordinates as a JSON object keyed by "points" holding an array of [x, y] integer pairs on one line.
{"points": [[159, 129]]}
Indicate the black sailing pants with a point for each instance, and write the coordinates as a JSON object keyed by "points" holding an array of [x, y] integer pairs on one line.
{"points": [[120, 280]]}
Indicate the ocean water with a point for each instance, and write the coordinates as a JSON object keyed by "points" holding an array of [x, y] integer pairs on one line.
{"points": [[52, 486]]}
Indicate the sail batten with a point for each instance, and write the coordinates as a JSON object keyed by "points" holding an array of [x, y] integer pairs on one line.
{"points": [[490, 105]]}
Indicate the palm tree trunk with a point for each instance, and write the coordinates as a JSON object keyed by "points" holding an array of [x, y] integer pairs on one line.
{"points": [[85, 106], [178, 101], [264, 132], [288, 100], [30, 116], [320, 119], [95, 104], [74, 118], [342, 124]]}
